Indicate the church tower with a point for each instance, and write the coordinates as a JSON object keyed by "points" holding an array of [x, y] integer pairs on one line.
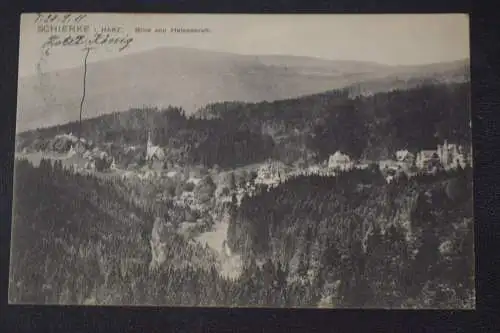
{"points": [[149, 149], [153, 151], [445, 153], [150, 144]]}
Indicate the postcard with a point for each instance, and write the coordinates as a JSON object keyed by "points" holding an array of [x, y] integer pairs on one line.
{"points": [[234, 160]]}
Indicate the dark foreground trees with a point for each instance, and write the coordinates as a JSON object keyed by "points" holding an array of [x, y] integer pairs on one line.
{"points": [[312, 241], [403, 244]]}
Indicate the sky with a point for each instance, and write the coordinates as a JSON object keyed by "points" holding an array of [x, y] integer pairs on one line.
{"points": [[392, 39]]}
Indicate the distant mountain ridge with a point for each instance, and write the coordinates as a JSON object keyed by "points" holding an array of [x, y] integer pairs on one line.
{"points": [[192, 78]]}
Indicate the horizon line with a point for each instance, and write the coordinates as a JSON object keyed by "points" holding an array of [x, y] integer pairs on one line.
{"points": [[20, 75]]}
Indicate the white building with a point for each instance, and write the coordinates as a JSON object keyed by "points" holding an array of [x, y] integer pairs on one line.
{"points": [[427, 159], [451, 155], [405, 156], [314, 169], [272, 172], [340, 161]]}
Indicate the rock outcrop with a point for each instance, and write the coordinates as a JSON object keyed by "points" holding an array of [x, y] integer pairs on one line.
{"points": [[158, 244]]}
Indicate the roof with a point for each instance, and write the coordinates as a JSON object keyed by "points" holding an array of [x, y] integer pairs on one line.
{"points": [[338, 153], [403, 153], [272, 165], [339, 156], [156, 151], [428, 153]]}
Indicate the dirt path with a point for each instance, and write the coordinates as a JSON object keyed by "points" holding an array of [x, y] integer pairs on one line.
{"points": [[230, 264]]}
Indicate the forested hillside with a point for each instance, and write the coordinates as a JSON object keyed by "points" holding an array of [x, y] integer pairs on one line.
{"points": [[81, 239], [348, 241], [307, 128], [355, 241]]}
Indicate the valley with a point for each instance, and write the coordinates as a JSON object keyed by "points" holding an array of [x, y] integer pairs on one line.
{"points": [[273, 161], [327, 200]]}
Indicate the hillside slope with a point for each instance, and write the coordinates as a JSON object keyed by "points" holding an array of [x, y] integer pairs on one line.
{"points": [[355, 241], [191, 78], [346, 241], [79, 239]]}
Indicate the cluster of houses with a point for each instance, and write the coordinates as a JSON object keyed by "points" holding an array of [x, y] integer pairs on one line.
{"points": [[272, 172], [77, 148], [446, 156], [98, 160]]}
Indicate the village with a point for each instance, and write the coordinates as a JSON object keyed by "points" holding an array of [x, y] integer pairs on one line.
{"points": [[84, 157], [87, 157], [446, 156]]}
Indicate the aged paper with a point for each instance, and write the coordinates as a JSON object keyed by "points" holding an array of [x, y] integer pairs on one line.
{"points": [[243, 161]]}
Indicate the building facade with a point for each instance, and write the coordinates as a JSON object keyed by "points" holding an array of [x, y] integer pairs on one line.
{"points": [[427, 159], [448, 156], [405, 156], [340, 161], [451, 155]]}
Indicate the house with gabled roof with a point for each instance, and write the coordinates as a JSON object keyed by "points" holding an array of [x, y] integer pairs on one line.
{"points": [[405, 156], [339, 161]]}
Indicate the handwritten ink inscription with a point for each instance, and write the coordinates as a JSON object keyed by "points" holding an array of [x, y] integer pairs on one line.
{"points": [[96, 40], [59, 18], [74, 30], [68, 30]]}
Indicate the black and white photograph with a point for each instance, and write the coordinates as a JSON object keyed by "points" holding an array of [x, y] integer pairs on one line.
{"points": [[237, 160]]}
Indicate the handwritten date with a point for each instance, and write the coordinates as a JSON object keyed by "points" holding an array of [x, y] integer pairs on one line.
{"points": [[59, 18]]}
